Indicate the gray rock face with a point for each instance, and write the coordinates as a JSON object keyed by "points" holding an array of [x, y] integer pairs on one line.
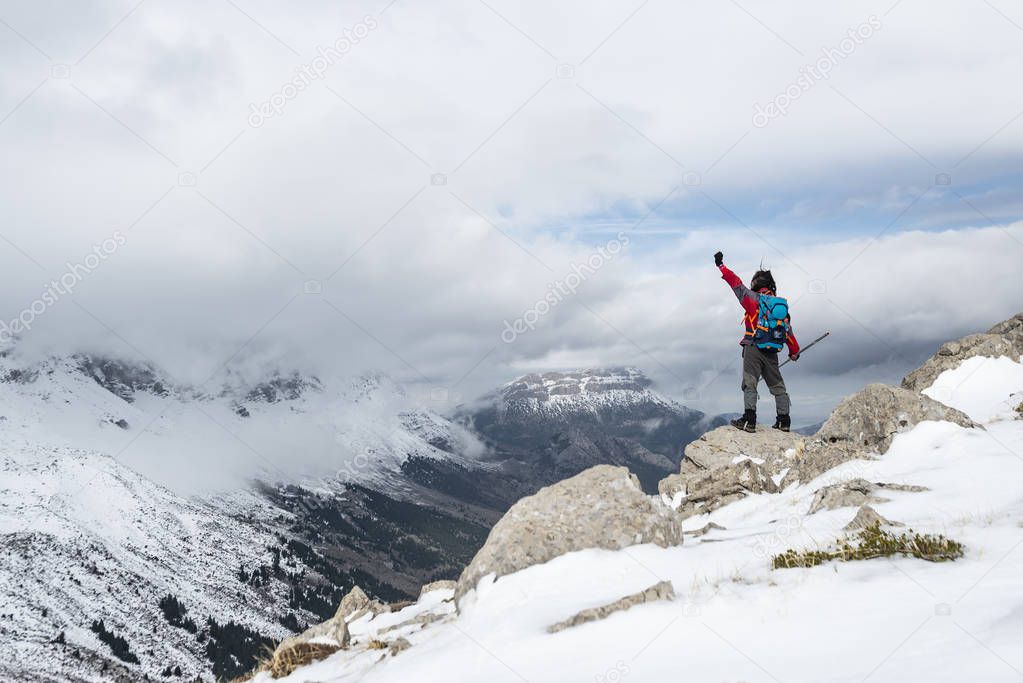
{"points": [[659, 591], [724, 485], [353, 601], [854, 493], [864, 424], [335, 628], [726, 464], [721, 447], [603, 507], [443, 584], [1004, 339], [866, 517]]}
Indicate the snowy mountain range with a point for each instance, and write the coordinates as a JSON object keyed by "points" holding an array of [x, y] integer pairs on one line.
{"points": [[152, 523]]}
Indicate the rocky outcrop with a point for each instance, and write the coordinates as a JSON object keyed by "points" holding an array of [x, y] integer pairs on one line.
{"points": [[726, 446], [705, 529], [867, 517], [603, 507], [1004, 339], [334, 630], [864, 425], [662, 590], [853, 493], [724, 485], [442, 585], [353, 606], [726, 464]]}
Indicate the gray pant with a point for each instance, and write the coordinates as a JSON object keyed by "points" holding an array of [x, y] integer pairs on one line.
{"points": [[757, 364]]}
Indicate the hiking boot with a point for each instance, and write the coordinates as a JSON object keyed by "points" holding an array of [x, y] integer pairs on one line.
{"points": [[747, 423], [783, 422]]}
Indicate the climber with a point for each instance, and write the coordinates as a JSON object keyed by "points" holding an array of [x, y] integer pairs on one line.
{"points": [[768, 330]]}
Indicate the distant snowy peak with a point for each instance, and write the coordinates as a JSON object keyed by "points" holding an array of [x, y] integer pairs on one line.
{"points": [[578, 391]]}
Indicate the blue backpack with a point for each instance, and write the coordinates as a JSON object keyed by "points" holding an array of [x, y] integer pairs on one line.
{"points": [[772, 323]]}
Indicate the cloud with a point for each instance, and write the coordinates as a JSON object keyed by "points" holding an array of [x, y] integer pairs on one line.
{"points": [[461, 158]]}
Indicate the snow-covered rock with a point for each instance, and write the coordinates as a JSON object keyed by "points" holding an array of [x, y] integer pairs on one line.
{"points": [[864, 425], [603, 507], [662, 590], [726, 464], [853, 493], [1003, 339]]}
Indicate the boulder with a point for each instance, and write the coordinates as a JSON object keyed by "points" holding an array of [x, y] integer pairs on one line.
{"points": [[659, 591], [867, 517], [353, 601], [442, 585], [398, 645], [334, 629], [854, 493], [705, 529], [725, 446], [1004, 339], [863, 426], [723, 485], [726, 464], [603, 507]]}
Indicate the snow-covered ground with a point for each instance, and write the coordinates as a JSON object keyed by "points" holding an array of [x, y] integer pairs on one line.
{"points": [[735, 618]]}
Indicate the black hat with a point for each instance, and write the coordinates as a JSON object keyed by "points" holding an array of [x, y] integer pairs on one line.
{"points": [[763, 280]]}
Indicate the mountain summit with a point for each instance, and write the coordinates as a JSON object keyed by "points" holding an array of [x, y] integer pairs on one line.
{"points": [[560, 423]]}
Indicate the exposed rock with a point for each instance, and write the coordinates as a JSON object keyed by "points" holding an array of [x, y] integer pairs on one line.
{"points": [[855, 492], [866, 517], [353, 601], [334, 629], [442, 585], [603, 507], [398, 645], [1004, 339], [709, 526], [659, 591], [863, 426], [724, 485], [725, 446], [671, 484], [421, 620], [726, 464]]}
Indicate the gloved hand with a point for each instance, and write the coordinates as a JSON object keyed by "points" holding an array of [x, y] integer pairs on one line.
{"points": [[793, 357], [719, 259]]}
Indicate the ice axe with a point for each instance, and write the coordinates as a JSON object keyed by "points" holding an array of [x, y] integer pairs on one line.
{"points": [[805, 348]]}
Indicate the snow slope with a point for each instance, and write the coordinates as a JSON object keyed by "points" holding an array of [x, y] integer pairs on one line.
{"points": [[735, 618], [86, 538]]}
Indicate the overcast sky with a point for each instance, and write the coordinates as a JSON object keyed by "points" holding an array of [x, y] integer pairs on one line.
{"points": [[430, 181]]}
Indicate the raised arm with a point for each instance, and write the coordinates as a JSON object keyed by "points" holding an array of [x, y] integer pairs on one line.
{"points": [[747, 299]]}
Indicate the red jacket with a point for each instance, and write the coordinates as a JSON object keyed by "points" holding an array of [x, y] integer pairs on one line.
{"points": [[750, 302]]}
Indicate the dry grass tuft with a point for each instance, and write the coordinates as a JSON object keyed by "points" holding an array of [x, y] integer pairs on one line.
{"points": [[874, 542], [284, 662]]}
